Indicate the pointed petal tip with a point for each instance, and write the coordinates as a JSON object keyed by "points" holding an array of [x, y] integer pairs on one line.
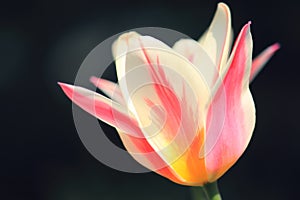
{"points": [[128, 35], [63, 85], [260, 61], [98, 82], [275, 47], [246, 27], [94, 80], [67, 89], [223, 5]]}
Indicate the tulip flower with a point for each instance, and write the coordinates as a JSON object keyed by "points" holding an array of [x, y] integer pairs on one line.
{"points": [[184, 112]]}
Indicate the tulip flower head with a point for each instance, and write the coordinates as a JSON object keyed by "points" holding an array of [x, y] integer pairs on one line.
{"points": [[184, 112]]}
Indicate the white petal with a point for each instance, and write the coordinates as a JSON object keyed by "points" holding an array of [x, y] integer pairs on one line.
{"points": [[217, 39], [198, 56]]}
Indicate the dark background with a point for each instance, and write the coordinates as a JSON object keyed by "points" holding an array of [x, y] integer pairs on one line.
{"points": [[42, 42]]}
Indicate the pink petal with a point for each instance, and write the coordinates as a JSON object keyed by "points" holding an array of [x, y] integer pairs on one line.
{"points": [[103, 108], [225, 147], [262, 59]]}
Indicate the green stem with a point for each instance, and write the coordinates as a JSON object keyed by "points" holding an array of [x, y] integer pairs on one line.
{"points": [[198, 193], [209, 191], [212, 191]]}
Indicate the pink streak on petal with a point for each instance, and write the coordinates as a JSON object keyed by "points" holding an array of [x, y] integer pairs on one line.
{"points": [[262, 59], [236, 73], [165, 92]]}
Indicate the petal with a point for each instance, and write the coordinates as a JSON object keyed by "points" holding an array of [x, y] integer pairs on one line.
{"points": [[166, 94], [112, 90], [217, 39], [260, 61], [135, 56], [116, 45], [102, 108], [183, 150], [143, 153], [199, 57], [223, 148], [115, 115]]}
